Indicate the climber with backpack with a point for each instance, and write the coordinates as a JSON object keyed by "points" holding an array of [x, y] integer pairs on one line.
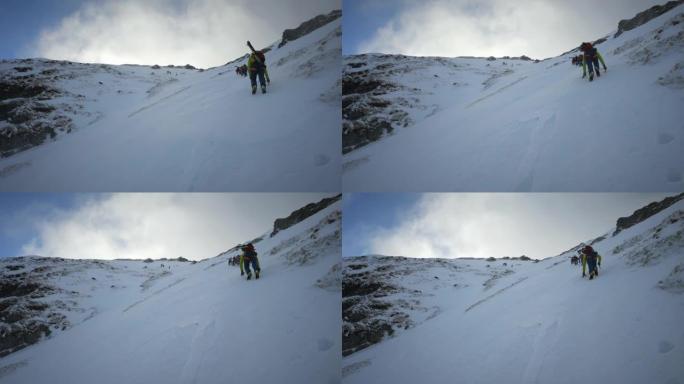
{"points": [[256, 65], [590, 58], [249, 256], [593, 261]]}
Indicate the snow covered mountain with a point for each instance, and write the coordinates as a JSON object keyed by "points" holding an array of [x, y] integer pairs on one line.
{"points": [[174, 321], [516, 320], [516, 124], [89, 127]]}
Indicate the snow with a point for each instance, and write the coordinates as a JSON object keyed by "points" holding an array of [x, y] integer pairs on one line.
{"points": [[541, 322], [169, 129], [203, 322], [512, 125]]}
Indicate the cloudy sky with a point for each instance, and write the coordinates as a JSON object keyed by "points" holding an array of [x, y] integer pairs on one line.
{"points": [[108, 226], [203, 33], [536, 28], [480, 225]]}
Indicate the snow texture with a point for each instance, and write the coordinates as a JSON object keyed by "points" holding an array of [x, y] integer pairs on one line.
{"points": [[136, 322], [471, 124], [139, 128], [518, 321]]}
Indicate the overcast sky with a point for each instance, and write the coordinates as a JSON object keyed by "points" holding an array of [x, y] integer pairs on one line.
{"points": [[536, 28], [130, 225], [481, 224], [203, 33]]}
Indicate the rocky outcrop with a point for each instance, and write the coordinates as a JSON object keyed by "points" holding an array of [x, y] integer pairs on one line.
{"points": [[24, 317], [26, 120], [644, 17], [373, 105], [309, 26], [303, 213], [377, 303], [27, 116], [363, 308], [644, 213]]}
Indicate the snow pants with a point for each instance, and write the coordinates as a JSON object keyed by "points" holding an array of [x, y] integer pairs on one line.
{"points": [[255, 264], [592, 266], [593, 65], [259, 72]]}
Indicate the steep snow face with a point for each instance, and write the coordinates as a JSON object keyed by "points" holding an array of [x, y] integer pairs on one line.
{"points": [[517, 125], [515, 321], [137, 322], [136, 128]]}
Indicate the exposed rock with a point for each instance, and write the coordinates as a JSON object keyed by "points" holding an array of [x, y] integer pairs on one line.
{"points": [[644, 17], [375, 305], [644, 213], [309, 26], [303, 213], [23, 319], [16, 338], [25, 119]]}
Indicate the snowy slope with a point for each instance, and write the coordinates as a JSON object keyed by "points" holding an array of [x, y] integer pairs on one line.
{"points": [[139, 128], [516, 125], [515, 321], [195, 323]]}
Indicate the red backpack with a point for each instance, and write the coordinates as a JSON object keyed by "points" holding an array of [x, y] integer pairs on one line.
{"points": [[249, 250], [262, 58]]}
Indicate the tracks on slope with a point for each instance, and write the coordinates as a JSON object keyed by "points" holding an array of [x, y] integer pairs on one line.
{"points": [[158, 101], [496, 293]]}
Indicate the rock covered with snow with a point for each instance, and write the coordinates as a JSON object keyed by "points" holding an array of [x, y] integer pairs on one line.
{"points": [[644, 17], [303, 213], [644, 213], [309, 26]]}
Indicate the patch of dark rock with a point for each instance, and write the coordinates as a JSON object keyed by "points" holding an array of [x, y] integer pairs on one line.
{"points": [[302, 213], [644, 17], [11, 288], [358, 338], [357, 287], [22, 89], [644, 213], [309, 26], [17, 338]]}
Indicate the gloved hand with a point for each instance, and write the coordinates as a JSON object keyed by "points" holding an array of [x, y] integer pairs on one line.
{"points": [[604, 68], [584, 75], [242, 273]]}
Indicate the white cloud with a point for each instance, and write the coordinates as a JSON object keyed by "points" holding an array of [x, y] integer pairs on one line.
{"points": [[129, 225], [537, 28], [497, 225], [200, 32]]}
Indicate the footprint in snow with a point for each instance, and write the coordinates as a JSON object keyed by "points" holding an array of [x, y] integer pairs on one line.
{"points": [[665, 346], [664, 138], [325, 344], [321, 160]]}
